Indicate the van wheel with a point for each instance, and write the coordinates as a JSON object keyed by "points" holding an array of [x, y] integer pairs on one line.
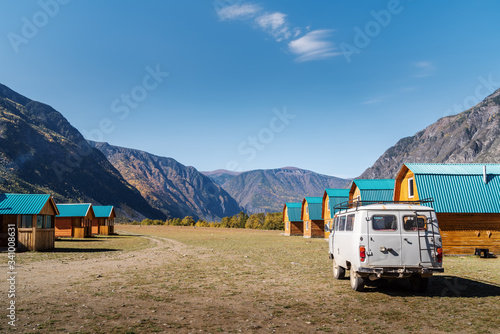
{"points": [[338, 271], [419, 283], [357, 282]]}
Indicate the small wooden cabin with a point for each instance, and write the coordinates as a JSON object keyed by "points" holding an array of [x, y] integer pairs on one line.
{"points": [[332, 197], [104, 220], [466, 201], [74, 220], [372, 190], [32, 216], [313, 223], [291, 217]]}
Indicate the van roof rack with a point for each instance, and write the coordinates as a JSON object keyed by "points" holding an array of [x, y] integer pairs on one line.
{"points": [[354, 203]]}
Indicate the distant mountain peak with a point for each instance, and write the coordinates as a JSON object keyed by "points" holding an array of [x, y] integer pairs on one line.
{"points": [[472, 136]]}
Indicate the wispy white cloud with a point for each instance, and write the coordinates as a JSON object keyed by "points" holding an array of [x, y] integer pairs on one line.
{"points": [[313, 46], [275, 25], [373, 101], [424, 69], [238, 11]]}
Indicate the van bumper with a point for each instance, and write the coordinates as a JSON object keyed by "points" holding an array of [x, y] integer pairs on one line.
{"points": [[401, 272]]}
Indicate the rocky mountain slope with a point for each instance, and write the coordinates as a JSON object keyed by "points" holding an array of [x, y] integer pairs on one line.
{"points": [[267, 190], [169, 186], [472, 136], [40, 152]]}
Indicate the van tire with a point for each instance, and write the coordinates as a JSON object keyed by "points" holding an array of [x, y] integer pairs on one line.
{"points": [[419, 283], [338, 271], [357, 282]]}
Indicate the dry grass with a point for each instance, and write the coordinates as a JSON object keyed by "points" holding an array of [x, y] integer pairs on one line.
{"points": [[230, 280]]}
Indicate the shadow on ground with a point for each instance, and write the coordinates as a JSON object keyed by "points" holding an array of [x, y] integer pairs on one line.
{"points": [[439, 286]]}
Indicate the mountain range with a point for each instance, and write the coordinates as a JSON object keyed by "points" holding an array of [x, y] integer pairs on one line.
{"points": [[41, 152], [472, 136], [266, 190]]}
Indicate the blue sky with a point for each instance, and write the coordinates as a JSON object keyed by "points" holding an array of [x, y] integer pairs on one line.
{"points": [[322, 85]]}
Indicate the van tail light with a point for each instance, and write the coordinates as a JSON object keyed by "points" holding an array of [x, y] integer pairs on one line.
{"points": [[439, 255], [362, 253]]}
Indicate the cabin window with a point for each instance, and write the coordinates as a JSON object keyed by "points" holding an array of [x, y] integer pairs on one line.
{"points": [[350, 223], [26, 221], [43, 221], [307, 209], [328, 205], [307, 226], [287, 227], [384, 223], [342, 223], [410, 188], [410, 224]]}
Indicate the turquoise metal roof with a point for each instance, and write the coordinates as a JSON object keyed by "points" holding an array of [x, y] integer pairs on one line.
{"points": [[315, 207], [102, 211], [22, 204], [454, 169], [376, 190], [459, 188], [73, 210], [337, 196], [294, 210], [376, 184]]}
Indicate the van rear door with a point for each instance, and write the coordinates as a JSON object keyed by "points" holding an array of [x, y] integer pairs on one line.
{"points": [[384, 239], [415, 226]]}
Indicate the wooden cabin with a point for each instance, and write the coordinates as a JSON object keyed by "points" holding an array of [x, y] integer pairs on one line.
{"points": [[371, 190], [74, 220], [332, 197], [32, 216], [313, 223], [104, 220], [291, 217], [466, 201]]}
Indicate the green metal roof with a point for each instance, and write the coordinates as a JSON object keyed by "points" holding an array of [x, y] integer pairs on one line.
{"points": [[74, 210], [315, 207], [22, 204], [337, 196], [459, 188], [294, 210], [102, 211]]}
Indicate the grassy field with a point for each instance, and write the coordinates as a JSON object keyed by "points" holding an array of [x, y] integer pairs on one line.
{"points": [[184, 279]]}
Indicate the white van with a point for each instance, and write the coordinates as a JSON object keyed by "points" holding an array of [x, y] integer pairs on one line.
{"points": [[390, 241]]}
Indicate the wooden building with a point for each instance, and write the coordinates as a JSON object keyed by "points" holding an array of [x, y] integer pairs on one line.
{"points": [[104, 220], [74, 220], [32, 216], [332, 197], [466, 201], [313, 223], [291, 217], [371, 190]]}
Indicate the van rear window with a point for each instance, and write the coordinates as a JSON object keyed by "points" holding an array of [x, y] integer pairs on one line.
{"points": [[410, 225], [384, 223], [349, 226]]}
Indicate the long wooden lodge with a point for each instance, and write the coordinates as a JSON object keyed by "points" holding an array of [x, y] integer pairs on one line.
{"points": [[466, 201], [33, 217]]}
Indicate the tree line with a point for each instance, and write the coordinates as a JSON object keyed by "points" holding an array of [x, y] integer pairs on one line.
{"points": [[262, 221]]}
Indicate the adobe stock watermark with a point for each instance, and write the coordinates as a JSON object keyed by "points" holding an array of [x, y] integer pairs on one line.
{"points": [[250, 147], [31, 26], [486, 86], [11, 274], [122, 107], [364, 36]]}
